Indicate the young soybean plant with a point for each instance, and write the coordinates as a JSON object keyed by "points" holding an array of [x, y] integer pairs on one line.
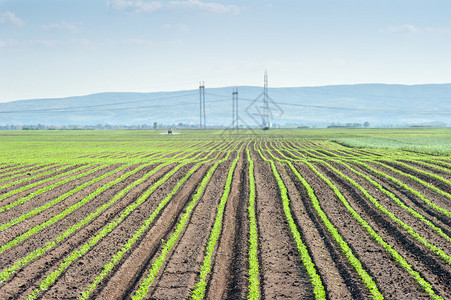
{"points": [[315, 279], [156, 265], [199, 290]]}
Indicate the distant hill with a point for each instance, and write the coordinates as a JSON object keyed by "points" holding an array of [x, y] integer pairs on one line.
{"points": [[378, 104]]}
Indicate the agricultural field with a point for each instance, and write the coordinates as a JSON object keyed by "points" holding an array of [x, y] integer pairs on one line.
{"points": [[301, 214]]}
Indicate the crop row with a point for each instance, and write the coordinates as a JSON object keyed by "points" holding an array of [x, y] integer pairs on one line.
{"points": [[423, 283], [199, 289], [32, 256], [22, 171], [254, 283], [39, 182], [142, 290], [357, 265], [315, 279], [50, 279], [146, 224], [6, 273]]}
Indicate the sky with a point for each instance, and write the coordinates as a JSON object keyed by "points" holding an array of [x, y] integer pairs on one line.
{"points": [[60, 48]]}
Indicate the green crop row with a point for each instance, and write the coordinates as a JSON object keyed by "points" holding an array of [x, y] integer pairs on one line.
{"points": [[128, 245], [355, 263], [398, 257], [44, 189], [155, 267], [399, 202], [315, 279], [23, 171], [54, 219], [7, 272], [254, 283], [423, 283], [54, 201], [411, 177], [32, 185], [408, 188], [435, 189], [434, 166], [199, 289], [50, 279]]}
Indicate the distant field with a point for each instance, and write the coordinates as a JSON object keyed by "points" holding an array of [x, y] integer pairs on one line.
{"points": [[295, 214], [436, 141]]}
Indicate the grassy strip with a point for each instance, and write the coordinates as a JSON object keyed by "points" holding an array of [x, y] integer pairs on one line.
{"points": [[199, 289], [32, 185], [254, 283], [56, 200], [7, 272], [154, 269], [315, 279], [398, 257], [128, 245], [49, 280], [355, 263], [399, 202], [405, 186]]}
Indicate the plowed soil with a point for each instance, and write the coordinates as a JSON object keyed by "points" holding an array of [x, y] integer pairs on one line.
{"points": [[282, 274]]}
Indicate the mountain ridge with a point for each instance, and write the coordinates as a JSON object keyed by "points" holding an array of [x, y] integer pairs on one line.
{"points": [[378, 104]]}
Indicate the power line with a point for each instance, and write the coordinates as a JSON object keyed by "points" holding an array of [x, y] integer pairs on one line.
{"points": [[118, 109], [63, 109], [226, 99]]}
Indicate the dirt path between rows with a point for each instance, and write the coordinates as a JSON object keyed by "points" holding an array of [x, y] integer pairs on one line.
{"points": [[25, 280], [391, 279], [229, 278], [80, 274], [178, 276], [123, 280], [282, 274]]}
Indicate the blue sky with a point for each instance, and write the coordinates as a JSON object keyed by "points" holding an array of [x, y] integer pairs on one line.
{"points": [[57, 48]]}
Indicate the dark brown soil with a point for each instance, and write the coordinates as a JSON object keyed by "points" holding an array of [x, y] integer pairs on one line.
{"points": [[183, 265], [230, 270], [282, 273]]}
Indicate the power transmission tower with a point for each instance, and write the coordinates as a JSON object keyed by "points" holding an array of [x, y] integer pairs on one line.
{"points": [[235, 108], [265, 114], [203, 122], [266, 111]]}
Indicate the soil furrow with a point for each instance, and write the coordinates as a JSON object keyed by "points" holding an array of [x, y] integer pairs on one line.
{"points": [[282, 272], [56, 229], [125, 277], [432, 268], [229, 275], [24, 281], [83, 272], [48, 196], [438, 199], [183, 265], [393, 282], [338, 276]]}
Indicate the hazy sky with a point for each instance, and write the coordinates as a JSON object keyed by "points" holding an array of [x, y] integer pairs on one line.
{"points": [[55, 48]]}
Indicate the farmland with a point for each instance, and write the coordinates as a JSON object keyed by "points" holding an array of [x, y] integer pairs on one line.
{"points": [[301, 214]]}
